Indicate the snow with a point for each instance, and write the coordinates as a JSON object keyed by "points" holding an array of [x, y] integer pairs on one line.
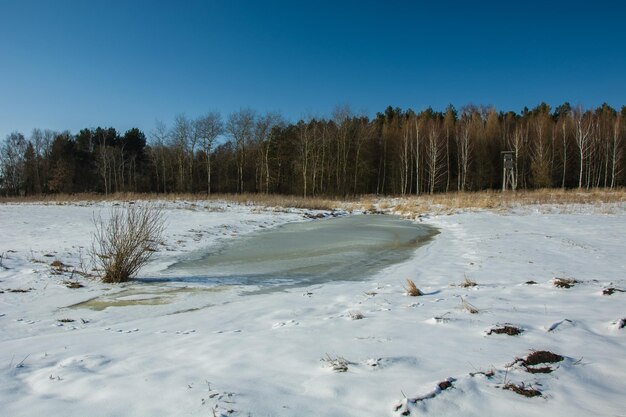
{"points": [[167, 350]]}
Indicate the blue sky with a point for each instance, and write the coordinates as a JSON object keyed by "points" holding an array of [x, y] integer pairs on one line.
{"points": [[72, 64]]}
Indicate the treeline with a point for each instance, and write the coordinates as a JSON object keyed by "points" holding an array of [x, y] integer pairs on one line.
{"points": [[397, 152]]}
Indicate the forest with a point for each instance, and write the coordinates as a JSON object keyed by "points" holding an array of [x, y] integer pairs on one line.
{"points": [[398, 152]]}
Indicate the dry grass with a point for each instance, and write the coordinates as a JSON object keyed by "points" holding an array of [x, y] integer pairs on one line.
{"points": [[407, 205], [337, 363], [356, 315], [467, 283], [469, 307], [411, 289], [522, 390], [264, 200], [565, 282], [72, 284], [447, 203]]}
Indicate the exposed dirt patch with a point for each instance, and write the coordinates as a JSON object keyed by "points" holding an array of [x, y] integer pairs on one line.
{"points": [[542, 356], [509, 330], [611, 291], [523, 390], [539, 370], [444, 385], [489, 374], [539, 357]]}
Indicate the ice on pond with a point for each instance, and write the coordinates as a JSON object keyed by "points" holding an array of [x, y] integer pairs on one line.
{"points": [[344, 248]]}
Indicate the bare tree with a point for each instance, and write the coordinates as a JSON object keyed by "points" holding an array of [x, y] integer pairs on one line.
{"points": [[583, 128], [181, 137], [464, 146], [435, 155], [208, 128], [240, 127], [12, 162], [264, 130], [539, 154], [616, 156], [160, 137]]}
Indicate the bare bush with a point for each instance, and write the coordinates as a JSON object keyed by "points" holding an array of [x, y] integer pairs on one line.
{"points": [[124, 242]]}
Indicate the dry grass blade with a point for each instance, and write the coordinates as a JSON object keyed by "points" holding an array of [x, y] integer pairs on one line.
{"points": [[411, 289], [467, 306], [125, 242]]}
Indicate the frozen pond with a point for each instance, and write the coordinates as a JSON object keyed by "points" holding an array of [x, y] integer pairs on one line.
{"points": [[343, 248]]}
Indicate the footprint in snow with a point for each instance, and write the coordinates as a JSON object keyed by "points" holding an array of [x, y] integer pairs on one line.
{"points": [[108, 329], [289, 323], [560, 323], [413, 305]]}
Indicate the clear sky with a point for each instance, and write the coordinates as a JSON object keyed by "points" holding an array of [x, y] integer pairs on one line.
{"points": [[71, 64]]}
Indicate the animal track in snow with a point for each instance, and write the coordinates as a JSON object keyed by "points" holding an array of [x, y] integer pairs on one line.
{"points": [[289, 323]]}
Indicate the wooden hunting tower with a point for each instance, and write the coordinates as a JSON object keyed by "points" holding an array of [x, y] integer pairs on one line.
{"points": [[508, 173]]}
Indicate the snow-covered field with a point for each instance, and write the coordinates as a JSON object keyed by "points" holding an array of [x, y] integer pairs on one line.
{"points": [[167, 350]]}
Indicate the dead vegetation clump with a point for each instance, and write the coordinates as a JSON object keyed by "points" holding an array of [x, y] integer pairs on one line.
{"points": [[621, 323], [19, 290], [508, 330], [468, 283], [565, 282], [337, 364], [356, 315], [531, 282], [611, 291], [73, 284], [58, 267], [411, 289], [521, 389], [66, 320]]}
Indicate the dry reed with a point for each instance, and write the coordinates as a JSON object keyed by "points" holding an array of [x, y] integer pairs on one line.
{"points": [[411, 289]]}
